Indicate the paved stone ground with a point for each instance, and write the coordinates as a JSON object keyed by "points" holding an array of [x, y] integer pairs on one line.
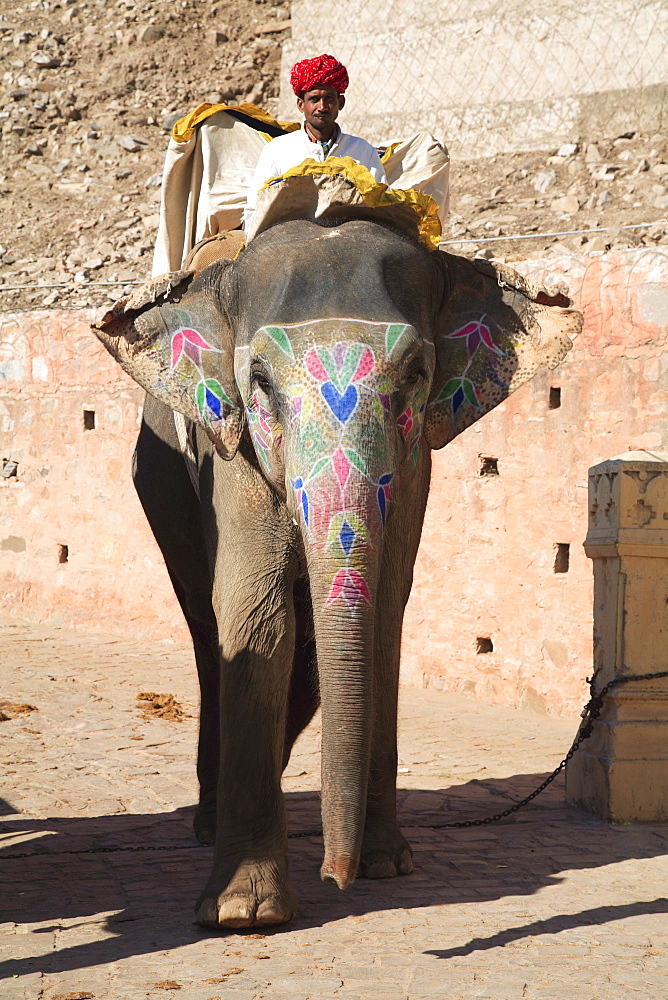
{"points": [[550, 905]]}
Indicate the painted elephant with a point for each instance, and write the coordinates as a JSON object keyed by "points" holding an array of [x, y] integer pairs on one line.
{"points": [[317, 371]]}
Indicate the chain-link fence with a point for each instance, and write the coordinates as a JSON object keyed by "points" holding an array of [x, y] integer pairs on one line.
{"points": [[493, 75]]}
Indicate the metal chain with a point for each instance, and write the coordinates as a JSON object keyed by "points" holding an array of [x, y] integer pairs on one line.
{"points": [[590, 713]]}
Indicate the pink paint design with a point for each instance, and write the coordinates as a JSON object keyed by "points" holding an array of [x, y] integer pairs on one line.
{"points": [[314, 365], [475, 332], [265, 430], [410, 426], [191, 344], [350, 585], [405, 421], [461, 390], [365, 365], [341, 467]]}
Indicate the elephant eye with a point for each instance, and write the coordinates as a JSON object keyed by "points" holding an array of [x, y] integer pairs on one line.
{"points": [[261, 381], [415, 375]]}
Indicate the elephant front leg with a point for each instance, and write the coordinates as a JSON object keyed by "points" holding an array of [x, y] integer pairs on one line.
{"points": [[249, 884], [385, 850]]}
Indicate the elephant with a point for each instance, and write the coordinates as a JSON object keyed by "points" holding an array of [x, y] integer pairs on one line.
{"points": [[315, 373]]}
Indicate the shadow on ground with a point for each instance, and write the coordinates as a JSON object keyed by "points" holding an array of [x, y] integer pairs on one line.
{"points": [[154, 879]]}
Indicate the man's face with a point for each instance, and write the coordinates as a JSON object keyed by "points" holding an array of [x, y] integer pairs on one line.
{"points": [[321, 107]]}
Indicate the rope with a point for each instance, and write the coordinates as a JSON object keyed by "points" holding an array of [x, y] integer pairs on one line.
{"points": [[443, 243], [540, 236], [590, 713], [73, 287]]}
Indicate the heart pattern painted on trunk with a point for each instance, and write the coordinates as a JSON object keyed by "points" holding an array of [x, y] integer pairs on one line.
{"points": [[337, 369], [341, 405]]}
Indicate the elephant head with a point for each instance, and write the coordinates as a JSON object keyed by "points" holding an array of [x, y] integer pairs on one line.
{"points": [[342, 354]]}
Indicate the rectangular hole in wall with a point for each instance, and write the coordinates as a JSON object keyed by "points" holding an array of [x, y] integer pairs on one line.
{"points": [[555, 398], [488, 466], [89, 420], [484, 644], [63, 553], [562, 557]]}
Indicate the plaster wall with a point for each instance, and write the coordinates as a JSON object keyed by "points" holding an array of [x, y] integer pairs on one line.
{"points": [[492, 76], [486, 564], [73, 486]]}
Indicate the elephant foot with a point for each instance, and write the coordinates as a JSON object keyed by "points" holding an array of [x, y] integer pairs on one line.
{"points": [[258, 894], [385, 852]]}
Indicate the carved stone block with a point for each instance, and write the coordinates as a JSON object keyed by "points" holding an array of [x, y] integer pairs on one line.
{"points": [[621, 773]]}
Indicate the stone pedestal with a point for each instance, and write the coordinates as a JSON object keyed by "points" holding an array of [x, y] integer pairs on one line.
{"points": [[621, 772]]}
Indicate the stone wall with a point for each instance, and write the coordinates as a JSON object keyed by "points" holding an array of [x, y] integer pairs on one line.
{"points": [[491, 75], [485, 574]]}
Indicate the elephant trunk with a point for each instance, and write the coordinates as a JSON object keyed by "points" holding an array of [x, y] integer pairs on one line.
{"points": [[343, 576], [346, 685]]}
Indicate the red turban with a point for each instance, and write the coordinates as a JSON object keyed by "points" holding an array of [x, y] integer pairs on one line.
{"points": [[323, 71]]}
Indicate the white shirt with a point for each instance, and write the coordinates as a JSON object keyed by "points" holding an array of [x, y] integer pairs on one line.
{"points": [[287, 151]]}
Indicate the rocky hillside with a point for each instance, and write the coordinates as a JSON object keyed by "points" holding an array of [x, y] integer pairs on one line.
{"points": [[91, 88]]}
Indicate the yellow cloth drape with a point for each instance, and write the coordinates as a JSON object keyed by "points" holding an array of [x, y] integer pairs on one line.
{"points": [[185, 126], [374, 194]]}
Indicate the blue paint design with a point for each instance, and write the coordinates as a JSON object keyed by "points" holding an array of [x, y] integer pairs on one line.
{"points": [[457, 399], [346, 537], [341, 404], [214, 404], [387, 478], [305, 507]]}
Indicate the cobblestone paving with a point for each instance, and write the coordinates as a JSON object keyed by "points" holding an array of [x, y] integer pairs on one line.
{"points": [[550, 905]]}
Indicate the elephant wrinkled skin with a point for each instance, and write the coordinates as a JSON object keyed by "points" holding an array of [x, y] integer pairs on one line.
{"points": [[318, 371]]}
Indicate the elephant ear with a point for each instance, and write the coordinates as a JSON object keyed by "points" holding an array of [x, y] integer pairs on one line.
{"points": [[171, 336], [494, 332]]}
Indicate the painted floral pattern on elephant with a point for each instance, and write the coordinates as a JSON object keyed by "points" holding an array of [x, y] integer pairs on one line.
{"points": [[342, 447], [462, 390], [187, 345], [265, 431]]}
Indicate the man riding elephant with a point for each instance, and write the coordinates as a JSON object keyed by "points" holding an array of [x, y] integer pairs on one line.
{"points": [[219, 156], [319, 85]]}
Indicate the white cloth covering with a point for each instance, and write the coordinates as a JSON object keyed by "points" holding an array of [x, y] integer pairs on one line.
{"points": [[287, 151], [206, 179], [421, 162], [204, 185]]}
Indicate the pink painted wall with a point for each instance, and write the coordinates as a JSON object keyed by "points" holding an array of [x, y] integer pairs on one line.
{"points": [[73, 486], [486, 564]]}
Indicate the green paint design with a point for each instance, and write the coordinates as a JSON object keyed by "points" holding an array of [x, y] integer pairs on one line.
{"points": [[392, 335], [280, 338], [451, 387], [311, 443], [318, 467], [214, 387], [355, 460], [341, 379]]}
